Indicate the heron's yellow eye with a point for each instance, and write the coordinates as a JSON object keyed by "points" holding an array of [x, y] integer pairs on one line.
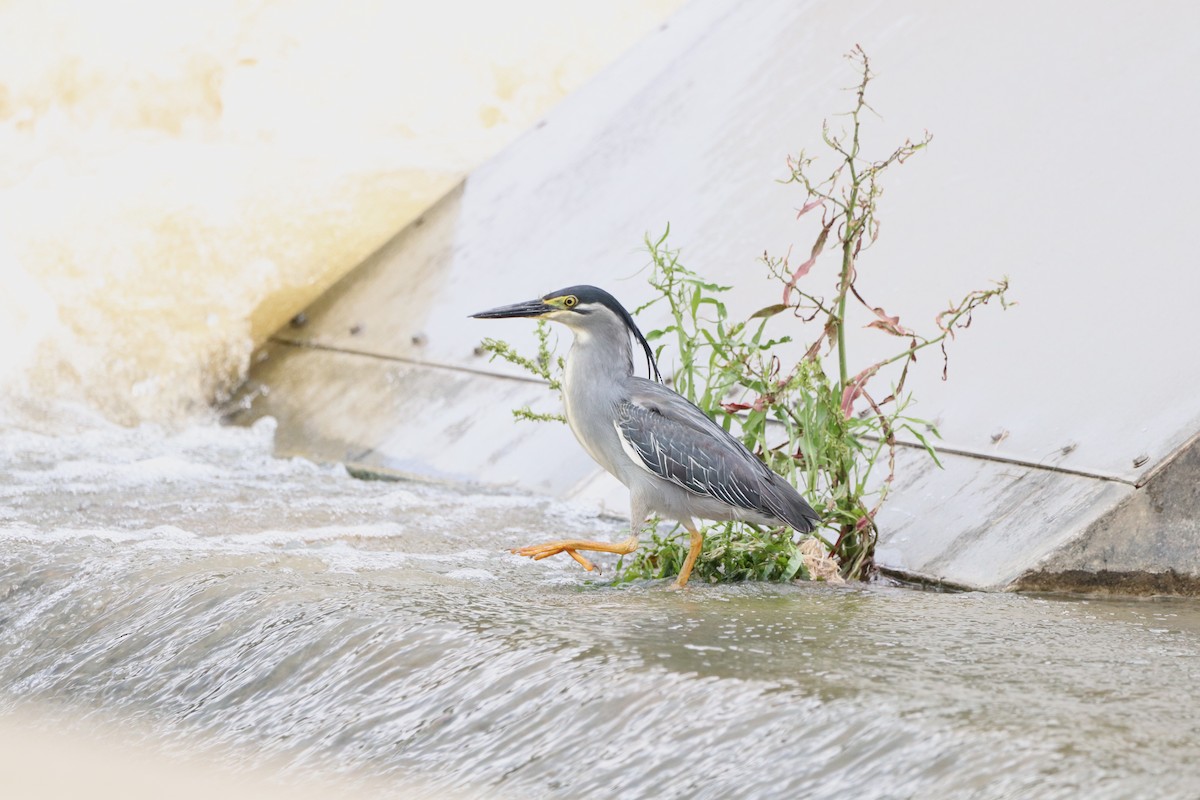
{"points": [[570, 301]]}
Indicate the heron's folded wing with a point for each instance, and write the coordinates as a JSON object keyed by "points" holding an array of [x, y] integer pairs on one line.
{"points": [[690, 452], [671, 438]]}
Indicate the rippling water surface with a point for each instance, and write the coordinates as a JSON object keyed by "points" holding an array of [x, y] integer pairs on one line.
{"points": [[192, 582]]}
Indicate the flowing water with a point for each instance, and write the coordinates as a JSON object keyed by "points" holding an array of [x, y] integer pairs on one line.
{"points": [[188, 580]]}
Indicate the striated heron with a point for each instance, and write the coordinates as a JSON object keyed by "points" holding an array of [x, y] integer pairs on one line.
{"points": [[675, 460]]}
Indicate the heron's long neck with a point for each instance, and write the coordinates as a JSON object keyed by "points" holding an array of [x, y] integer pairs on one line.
{"points": [[598, 366], [600, 355]]}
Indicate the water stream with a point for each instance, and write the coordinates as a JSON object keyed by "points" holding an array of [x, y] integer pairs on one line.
{"points": [[190, 581]]}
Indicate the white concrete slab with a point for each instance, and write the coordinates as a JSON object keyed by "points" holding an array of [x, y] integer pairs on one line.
{"points": [[983, 523], [375, 414]]}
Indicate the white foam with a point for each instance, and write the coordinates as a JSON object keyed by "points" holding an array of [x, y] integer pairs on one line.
{"points": [[173, 191], [471, 574]]}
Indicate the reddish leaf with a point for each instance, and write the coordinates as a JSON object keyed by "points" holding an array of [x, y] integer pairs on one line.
{"points": [[809, 206], [890, 324], [803, 269], [819, 245], [854, 389], [733, 408], [943, 327], [800, 272], [769, 311]]}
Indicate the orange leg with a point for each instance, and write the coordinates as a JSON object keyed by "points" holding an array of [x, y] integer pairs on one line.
{"points": [[570, 546], [693, 554]]}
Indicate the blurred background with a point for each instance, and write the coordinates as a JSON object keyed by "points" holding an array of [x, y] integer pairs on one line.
{"points": [[178, 179]]}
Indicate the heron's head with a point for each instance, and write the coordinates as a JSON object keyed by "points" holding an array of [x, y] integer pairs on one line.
{"points": [[587, 310]]}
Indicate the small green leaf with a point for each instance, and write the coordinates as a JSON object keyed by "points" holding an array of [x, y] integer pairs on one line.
{"points": [[925, 443]]}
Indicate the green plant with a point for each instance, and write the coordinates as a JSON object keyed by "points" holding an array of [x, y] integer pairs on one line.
{"points": [[848, 199], [545, 365], [801, 419]]}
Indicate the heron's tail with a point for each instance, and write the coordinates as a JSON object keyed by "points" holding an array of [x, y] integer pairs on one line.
{"points": [[787, 504]]}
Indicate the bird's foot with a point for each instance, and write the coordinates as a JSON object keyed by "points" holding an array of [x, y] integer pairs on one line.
{"points": [[572, 547]]}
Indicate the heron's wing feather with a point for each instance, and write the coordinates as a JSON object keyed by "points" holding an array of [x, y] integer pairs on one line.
{"points": [[675, 440], [677, 452]]}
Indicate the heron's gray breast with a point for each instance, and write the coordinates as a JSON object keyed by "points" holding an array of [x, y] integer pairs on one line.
{"points": [[590, 403]]}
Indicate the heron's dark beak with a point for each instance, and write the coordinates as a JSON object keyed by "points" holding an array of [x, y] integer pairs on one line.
{"points": [[530, 308]]}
